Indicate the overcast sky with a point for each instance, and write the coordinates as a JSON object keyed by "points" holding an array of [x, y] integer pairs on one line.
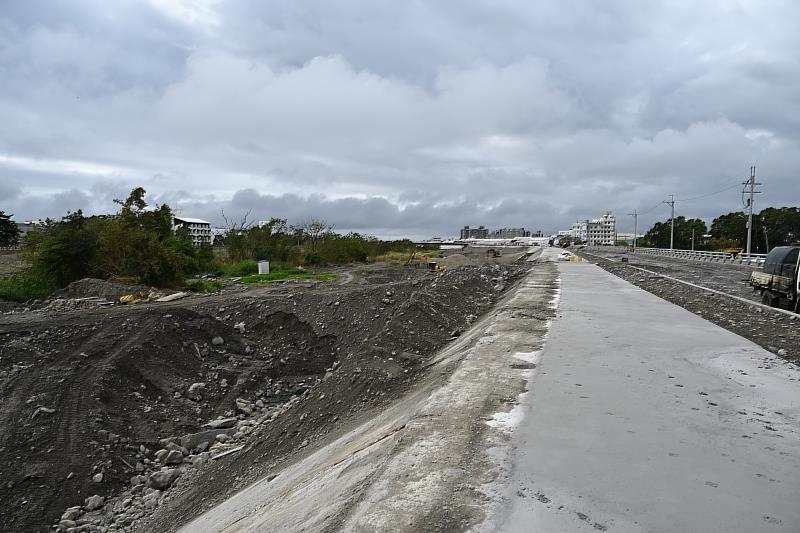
{"points": [[399, 118]]}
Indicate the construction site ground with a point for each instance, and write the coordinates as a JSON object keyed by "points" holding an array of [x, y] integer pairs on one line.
{"points": [[389, 399], [139, 418]]}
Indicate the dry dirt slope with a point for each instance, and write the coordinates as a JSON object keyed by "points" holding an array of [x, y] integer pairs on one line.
{"points": [[89, 397]]}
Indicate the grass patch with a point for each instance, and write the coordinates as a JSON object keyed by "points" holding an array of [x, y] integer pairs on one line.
{"points": [[241, 268], [24, 286], [403, 257], [291, 273], [204, 285]]}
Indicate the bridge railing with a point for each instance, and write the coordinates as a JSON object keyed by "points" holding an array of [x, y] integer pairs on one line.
{"points": [[720, 257]]}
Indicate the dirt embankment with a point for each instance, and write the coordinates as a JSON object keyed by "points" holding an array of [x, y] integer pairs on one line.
{"points": [[118, 402], [774, 331]]}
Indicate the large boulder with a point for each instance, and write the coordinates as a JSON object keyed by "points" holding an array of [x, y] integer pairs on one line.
{"points": [[195, 392], [93, 503], [162, 479]]}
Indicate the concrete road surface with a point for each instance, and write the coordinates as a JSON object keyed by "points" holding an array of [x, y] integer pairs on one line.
{"points": [[644, 417]]}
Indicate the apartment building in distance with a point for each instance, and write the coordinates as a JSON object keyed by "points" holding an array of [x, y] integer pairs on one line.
{"points": [[474, 233], [596, 232], [482, 232], [199, 230], [509, 233]]}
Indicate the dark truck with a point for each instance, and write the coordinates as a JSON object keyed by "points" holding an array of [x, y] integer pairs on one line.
{"points": [[778, 280]]}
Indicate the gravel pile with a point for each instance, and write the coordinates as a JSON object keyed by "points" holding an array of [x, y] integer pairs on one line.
{"points": [[112, 413], [456, 261]]}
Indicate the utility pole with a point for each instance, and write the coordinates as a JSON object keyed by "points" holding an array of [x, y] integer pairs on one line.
{"points": [[752, 183], [766, 237], [671, 203], [635, 216], [693, 239]]}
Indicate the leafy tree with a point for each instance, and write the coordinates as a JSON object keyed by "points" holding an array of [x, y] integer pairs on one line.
{"points": [[773, 226], [140, 244], [67, 250], [9, 232], [776, 227], [659, 235], [730, 228], [136, 244]]}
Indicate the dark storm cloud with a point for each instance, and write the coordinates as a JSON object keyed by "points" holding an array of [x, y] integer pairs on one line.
{"points": [[390, 117]]}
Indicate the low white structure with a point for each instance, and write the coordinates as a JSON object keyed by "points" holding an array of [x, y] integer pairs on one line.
{"points": [[29, 226], [579, 231], [199, 230]]}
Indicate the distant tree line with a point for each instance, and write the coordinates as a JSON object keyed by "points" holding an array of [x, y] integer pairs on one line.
{"points": [[9, 232], [138, 244], [308, 243], [773, 226]]}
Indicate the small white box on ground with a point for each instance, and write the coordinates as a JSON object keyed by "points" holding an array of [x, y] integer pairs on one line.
{"points": [[263, 267]]}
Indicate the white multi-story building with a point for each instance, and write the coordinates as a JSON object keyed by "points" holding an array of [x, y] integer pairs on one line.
{"points": [[199, 230], [579, 231], [602, 231], [596, 232]]}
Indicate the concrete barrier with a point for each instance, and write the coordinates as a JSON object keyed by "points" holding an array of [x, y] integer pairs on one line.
{"points": [[702, 255]]}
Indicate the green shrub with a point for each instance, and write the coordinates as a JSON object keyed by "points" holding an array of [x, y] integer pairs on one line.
{"points": [[25, 285], [312, 258], [136, 243], [240, 268]]}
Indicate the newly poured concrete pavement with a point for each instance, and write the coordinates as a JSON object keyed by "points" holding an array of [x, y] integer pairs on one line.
{"points": [[644, 417]]}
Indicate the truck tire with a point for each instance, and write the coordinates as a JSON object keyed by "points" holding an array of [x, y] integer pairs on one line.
{"points": [[767, 298]]}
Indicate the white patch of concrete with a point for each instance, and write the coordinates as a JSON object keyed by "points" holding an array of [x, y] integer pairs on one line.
{"points": [[499, 450]]}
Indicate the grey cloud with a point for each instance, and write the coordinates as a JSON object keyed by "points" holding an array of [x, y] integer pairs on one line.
{"points": [[413, 116]]}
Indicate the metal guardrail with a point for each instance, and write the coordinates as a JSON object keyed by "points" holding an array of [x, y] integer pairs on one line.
{"points": [[10, 248], [719, 257]]}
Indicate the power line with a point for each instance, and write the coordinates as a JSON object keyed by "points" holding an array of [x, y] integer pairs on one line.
{"points": [[709, 194], [659, 204], [651, 209]]}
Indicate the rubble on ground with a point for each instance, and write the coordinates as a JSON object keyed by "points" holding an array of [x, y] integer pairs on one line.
{"points": [[150, 403], [99, 288]]}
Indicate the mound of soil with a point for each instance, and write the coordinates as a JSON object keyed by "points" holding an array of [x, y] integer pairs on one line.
{"points": [[455, 261], [88, 287], [96, 398], [89, 397]]}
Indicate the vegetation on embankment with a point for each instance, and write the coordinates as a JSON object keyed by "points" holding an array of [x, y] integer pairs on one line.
{"points": [[138, 244]]}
